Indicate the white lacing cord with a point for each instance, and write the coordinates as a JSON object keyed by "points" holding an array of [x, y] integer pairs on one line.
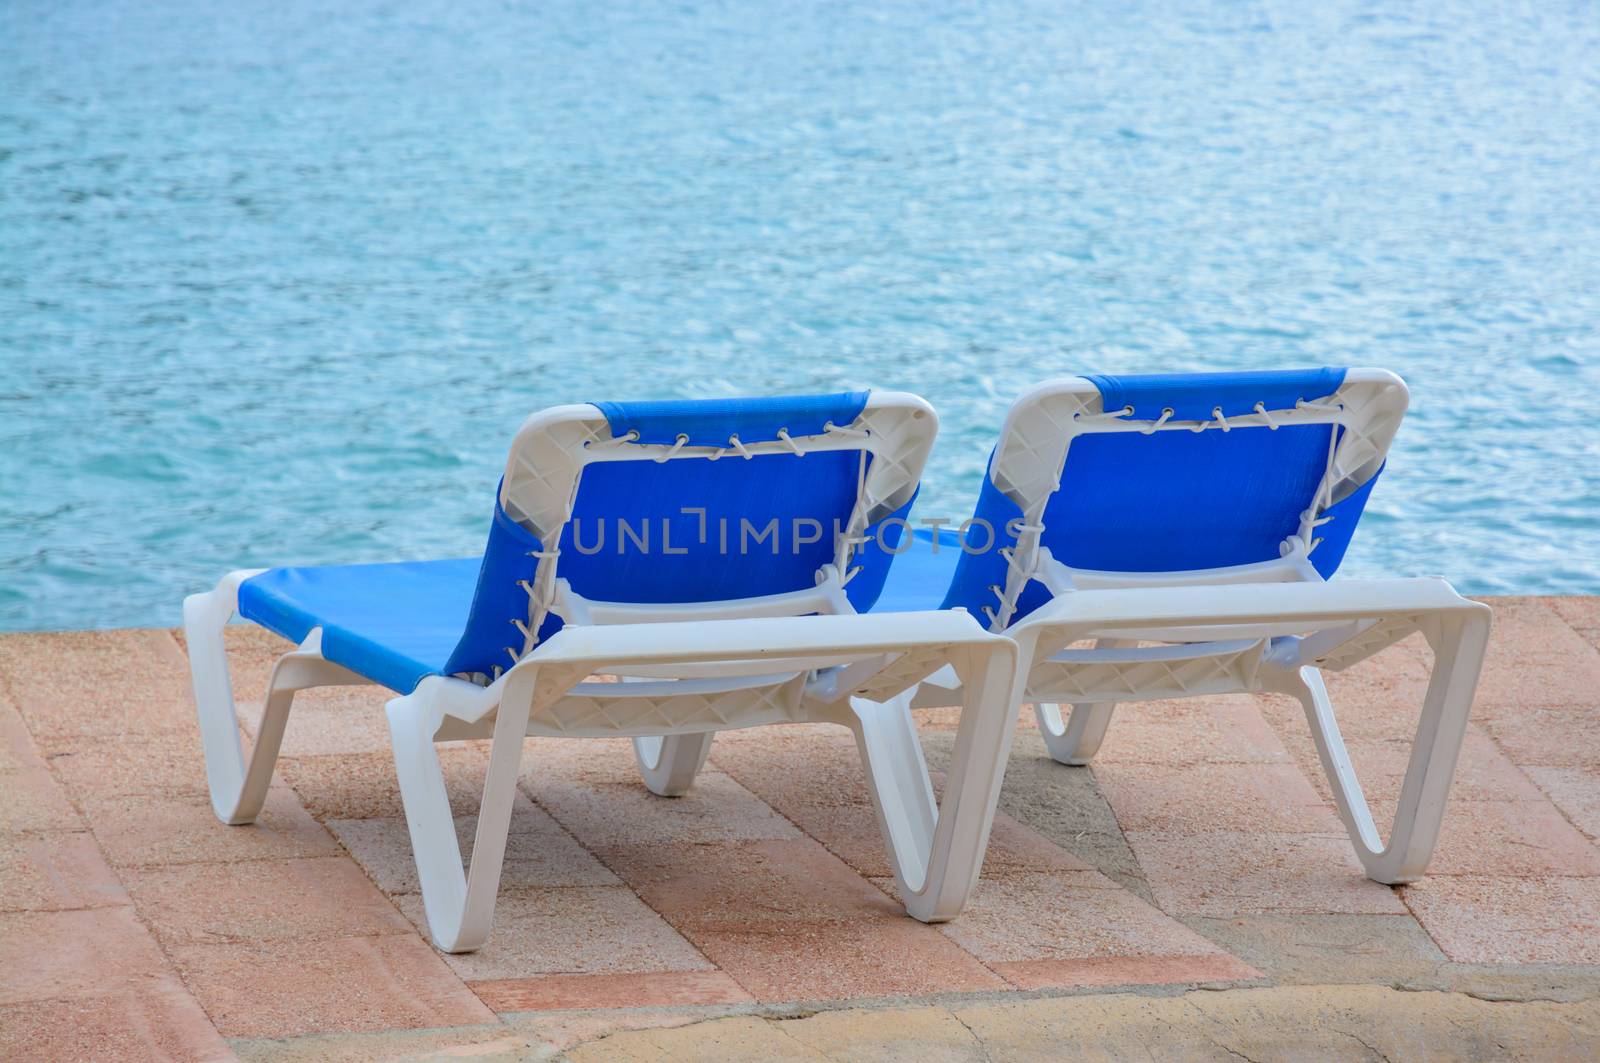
{"points": [[1314, 517], [1266, 418], [1014, 574], [783, 434], [677, 445], [1166, 415]]}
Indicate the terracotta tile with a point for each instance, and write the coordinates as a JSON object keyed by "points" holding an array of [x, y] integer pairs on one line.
{"points": [[1535, 658], [1582, 614], [55, 871], [817, 771], [1098, 971], [329, 985], [740, 885], [334, 720], [1562, 737], [1513, 838], [715, 809], [129, 684], [150, 830], [1483, 773], [1064, 916], [1218, 730], [261, 900], [1575, 792], [597, 760], [1510, 920], [169, 764], [1371, 703], [363, 785], [1241, 873], [852, 833], [813, 961], [753, 907], [657, 990], [538, 852], [83, 953], [1213, 797], [153, 1019], [578, 930], [34, 801]]}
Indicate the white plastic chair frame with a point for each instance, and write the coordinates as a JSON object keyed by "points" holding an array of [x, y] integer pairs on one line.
{"points": [[687, 670], [1271, 626]]}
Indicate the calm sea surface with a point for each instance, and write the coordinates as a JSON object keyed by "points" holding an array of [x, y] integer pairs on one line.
{"points": [[279, 280]]}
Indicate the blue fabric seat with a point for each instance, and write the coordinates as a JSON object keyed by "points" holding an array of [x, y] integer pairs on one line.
{"points": [[920, 577], [393, 623]]}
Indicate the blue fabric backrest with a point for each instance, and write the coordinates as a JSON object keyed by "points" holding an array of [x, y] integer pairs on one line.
{"points": [[690, 529], [1176, 500]]}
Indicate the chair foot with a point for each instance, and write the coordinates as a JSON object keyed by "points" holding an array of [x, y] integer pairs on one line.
{"points": [[1076, 739], [669, 764]]}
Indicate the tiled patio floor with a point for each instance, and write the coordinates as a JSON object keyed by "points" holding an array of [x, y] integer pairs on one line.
{"points": [[1201, 848]]}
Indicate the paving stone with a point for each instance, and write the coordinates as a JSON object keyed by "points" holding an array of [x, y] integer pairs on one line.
{"points": [[1483, 773], [1065, 916], [716, 808], [1566, 736], [283, 988], [102, 768], [73, 954], [753, 907], [34, 801], [1243, 873], [1535, 659], [1214, 730], [331, 720], [1510, 920], [1108, 971], [1317, 949], [789, 770], [152, 830], [260, 901], [1512, 838], [363, 785], [132, 685], [1575, 792], [538, 852], [153, 1019], [55, 871], [561, 992], [1213, 797], [575, 930]]}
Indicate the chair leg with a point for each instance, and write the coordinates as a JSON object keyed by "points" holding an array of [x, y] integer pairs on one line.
{"points": [[897, 776], [670, 763], [936, 850], [459, 902], [238, 790], [1458, 641], [1076, 739]]}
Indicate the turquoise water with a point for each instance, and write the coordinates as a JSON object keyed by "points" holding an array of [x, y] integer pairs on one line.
{"points": [[279, 281]]}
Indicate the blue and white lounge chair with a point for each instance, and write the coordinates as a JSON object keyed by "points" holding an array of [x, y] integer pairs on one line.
{"points": [[1187, 525], [764, 517]]}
